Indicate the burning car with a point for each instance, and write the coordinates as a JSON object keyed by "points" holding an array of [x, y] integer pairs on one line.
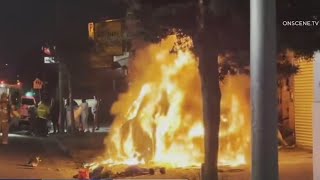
{"points": [[158, 121]]}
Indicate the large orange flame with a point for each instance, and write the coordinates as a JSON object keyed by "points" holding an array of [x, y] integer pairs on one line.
{"points": [[159, 119]]}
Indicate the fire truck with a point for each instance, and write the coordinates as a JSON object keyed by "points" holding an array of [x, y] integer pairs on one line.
{"points": [[21, 104], [12, 90]]}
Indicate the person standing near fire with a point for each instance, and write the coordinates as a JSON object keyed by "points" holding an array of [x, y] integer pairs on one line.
{"points": [[43, 112], [54, 112], [94, 109], [5, 115], [84, 115]]}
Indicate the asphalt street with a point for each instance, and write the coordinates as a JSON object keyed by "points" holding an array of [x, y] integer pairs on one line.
{"points": [[15, 156], [294, 164]]}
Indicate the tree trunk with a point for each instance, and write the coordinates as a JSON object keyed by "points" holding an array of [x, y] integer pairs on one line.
{"points": [[280, 99], [263, 70], [211, 95]]}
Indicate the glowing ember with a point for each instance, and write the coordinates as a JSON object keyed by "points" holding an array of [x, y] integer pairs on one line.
{"points": [[159, 119]]}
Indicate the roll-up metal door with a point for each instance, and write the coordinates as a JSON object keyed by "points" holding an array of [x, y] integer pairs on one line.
{"points": [[303, 102]]}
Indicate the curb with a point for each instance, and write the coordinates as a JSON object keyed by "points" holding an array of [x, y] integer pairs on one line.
{"points": [[71, 152], [63, 148]]}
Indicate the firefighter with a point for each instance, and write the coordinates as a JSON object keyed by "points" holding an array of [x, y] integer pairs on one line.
{"points": [[43, 113], [4, 117], [7, 112]]}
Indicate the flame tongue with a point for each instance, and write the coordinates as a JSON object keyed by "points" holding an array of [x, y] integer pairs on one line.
{"points": [[159, 119]]}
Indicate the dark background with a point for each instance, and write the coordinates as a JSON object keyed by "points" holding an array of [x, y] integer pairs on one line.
{"points": [[25, 25]]}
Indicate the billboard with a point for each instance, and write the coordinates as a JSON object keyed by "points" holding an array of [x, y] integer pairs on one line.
{"points": [[108, 37]]}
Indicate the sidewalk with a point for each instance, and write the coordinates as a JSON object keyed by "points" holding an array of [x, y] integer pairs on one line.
{"points": [[294, 164]]}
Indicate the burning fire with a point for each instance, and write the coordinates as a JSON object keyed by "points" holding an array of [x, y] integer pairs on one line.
{"points": [[159, 120]]}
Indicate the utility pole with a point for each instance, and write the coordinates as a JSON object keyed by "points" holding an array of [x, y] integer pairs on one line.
{"points": [[59, 17], [63, 68], [316, 117], [263, 89], [61, 102]]}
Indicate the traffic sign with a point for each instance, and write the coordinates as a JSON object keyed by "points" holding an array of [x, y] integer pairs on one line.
{"points": [[37, 84]]}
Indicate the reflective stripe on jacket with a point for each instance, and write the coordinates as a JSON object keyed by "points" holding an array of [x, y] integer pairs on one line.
{"points": [[43, 111], [4, 111]]}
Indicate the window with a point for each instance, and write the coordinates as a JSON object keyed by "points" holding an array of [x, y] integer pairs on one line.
{"points": [[27, 101]]}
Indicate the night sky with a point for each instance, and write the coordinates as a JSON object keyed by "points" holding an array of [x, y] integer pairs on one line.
{"points": [[27, 24], [24, 26]]}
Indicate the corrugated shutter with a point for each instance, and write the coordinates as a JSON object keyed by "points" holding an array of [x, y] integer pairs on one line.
{"points": [[303, 102]]}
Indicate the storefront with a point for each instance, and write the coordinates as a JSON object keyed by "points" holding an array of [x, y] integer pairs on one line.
{"points": [[303, 103]]}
